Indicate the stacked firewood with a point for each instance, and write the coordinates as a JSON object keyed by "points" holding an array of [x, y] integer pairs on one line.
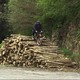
{"points": [[16, 51]]}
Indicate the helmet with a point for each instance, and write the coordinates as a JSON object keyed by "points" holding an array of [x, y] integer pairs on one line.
{"points": [[38, 21]]}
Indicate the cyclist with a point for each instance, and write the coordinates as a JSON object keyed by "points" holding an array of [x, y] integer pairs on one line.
{"points": [[36, 28]]}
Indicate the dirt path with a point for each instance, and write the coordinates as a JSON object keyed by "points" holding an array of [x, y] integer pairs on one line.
{"points": [[9, 73]]}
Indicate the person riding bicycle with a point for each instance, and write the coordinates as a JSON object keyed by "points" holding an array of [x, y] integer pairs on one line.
{"points": [[36, 28]]}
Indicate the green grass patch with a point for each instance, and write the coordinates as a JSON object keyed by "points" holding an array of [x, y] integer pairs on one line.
{"points": [[68, 53], [71, 55], [1, 45]]}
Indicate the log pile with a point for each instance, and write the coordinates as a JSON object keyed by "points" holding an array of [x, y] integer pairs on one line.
{"points": [[20, 51], [17, 52]]}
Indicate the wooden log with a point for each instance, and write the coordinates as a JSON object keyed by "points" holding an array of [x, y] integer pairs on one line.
{"points": [[15, 51]]}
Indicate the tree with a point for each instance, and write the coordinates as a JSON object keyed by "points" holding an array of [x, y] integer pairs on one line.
{"points": [[4, 29], [21, 15], [58, 13]]}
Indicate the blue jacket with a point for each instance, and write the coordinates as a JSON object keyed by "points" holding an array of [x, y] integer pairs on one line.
{"points": [[37, 26]]}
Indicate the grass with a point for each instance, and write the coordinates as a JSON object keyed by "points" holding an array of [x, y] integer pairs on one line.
{"points": [[71, 55], [1, 45]]}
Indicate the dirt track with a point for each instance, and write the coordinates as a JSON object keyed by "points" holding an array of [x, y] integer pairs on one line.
{"points": [[9, 73]]}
